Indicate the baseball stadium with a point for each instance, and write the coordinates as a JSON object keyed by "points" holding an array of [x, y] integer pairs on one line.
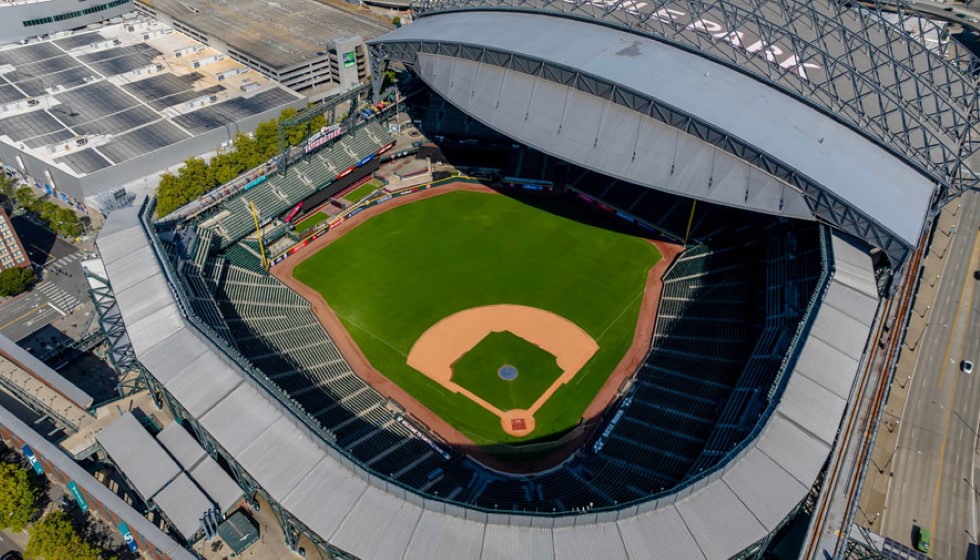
{"points": [[637, 337]]}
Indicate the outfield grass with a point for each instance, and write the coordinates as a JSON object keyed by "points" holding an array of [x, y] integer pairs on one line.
{"points": [[362, 191], [399, 273], [311, 221], [476, 371]]}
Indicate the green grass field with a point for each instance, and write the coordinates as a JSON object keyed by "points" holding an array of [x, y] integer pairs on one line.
{"points": [[399, 273], [311, 221], [476, 371], [362, 191]]}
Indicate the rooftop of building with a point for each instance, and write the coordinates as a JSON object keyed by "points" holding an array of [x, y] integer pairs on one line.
{"points": [[279, 34], [88, 100]]}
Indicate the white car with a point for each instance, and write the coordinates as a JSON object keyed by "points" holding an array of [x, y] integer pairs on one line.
{"points": [[966, 366]]}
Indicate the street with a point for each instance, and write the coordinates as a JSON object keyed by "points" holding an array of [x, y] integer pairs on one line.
{"points": [[926, 454], [61, 290]]}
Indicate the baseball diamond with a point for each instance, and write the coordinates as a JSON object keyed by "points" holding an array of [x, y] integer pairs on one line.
{"points": [[421, 287]]}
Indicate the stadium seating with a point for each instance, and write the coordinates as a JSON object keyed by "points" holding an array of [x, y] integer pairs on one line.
{"points": [[727, 315], [233, 218], [275, 329]]}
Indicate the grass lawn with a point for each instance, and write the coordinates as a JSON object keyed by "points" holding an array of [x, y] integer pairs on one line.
{"points": [[476, 371], [399, 273], [362, 191], [311, 221]]}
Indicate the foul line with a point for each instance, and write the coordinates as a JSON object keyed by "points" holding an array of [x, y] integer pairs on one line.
{"points": [[372, 335], [620, 314]]}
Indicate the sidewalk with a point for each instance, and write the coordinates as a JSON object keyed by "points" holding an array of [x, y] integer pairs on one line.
{"points": [[876, 482]]}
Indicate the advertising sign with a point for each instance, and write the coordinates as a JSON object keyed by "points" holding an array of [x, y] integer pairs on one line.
{"points": [[127, 536], [349, 59], [79, 498], [32, 459]]}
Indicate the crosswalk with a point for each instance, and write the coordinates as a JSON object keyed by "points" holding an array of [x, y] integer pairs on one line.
{"points": [[66, 260], [58, 297]]}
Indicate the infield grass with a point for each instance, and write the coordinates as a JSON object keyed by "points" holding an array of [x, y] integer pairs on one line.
{"points": [[400, 272], [476, 371]]}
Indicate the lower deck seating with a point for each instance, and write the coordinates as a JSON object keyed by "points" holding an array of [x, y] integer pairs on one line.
{"points": [[725, 321]]}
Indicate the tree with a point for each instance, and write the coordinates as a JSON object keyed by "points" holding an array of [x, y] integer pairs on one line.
{"points": [[18, 495], [196, 177], [15, 280], [55, 538], [24, 197], [65, 221], [226, 167], [266, 139], [170, 194], [7, 186], [396, 21]]}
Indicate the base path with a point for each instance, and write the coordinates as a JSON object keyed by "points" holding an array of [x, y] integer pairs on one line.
{"points": [[444, 430]]}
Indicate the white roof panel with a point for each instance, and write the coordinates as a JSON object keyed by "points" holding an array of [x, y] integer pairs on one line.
{"points": [[281, 457], [217, 484], [164, 363], [379, 526], [184, 505], [589, 541], [181, 445], [438, 535], [204, 383], [145, 464], [659, 534], [800, 453], [506, 542], [827, 366], [764, 487], [325, 496], [240, 418], [720, 523], [813, 407]]}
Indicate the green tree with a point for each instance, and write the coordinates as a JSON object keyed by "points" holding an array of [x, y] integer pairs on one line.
{"points": [[317, 122], [170, 194], [196, 176], [65, 222], [18, 493], [15, 280], [7, 186], [396, 21], [266, 139], [246, 151], [25, 198], [225, 167], [55, 538]]}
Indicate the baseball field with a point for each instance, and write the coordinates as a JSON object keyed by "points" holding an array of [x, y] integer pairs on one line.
{"points": [[501, 318]]}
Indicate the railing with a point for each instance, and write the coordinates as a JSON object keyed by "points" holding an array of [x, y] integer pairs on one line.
{"points": [[441, 504]]}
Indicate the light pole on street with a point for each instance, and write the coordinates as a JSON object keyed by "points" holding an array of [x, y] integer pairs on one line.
{"points": [[883, 468]]}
